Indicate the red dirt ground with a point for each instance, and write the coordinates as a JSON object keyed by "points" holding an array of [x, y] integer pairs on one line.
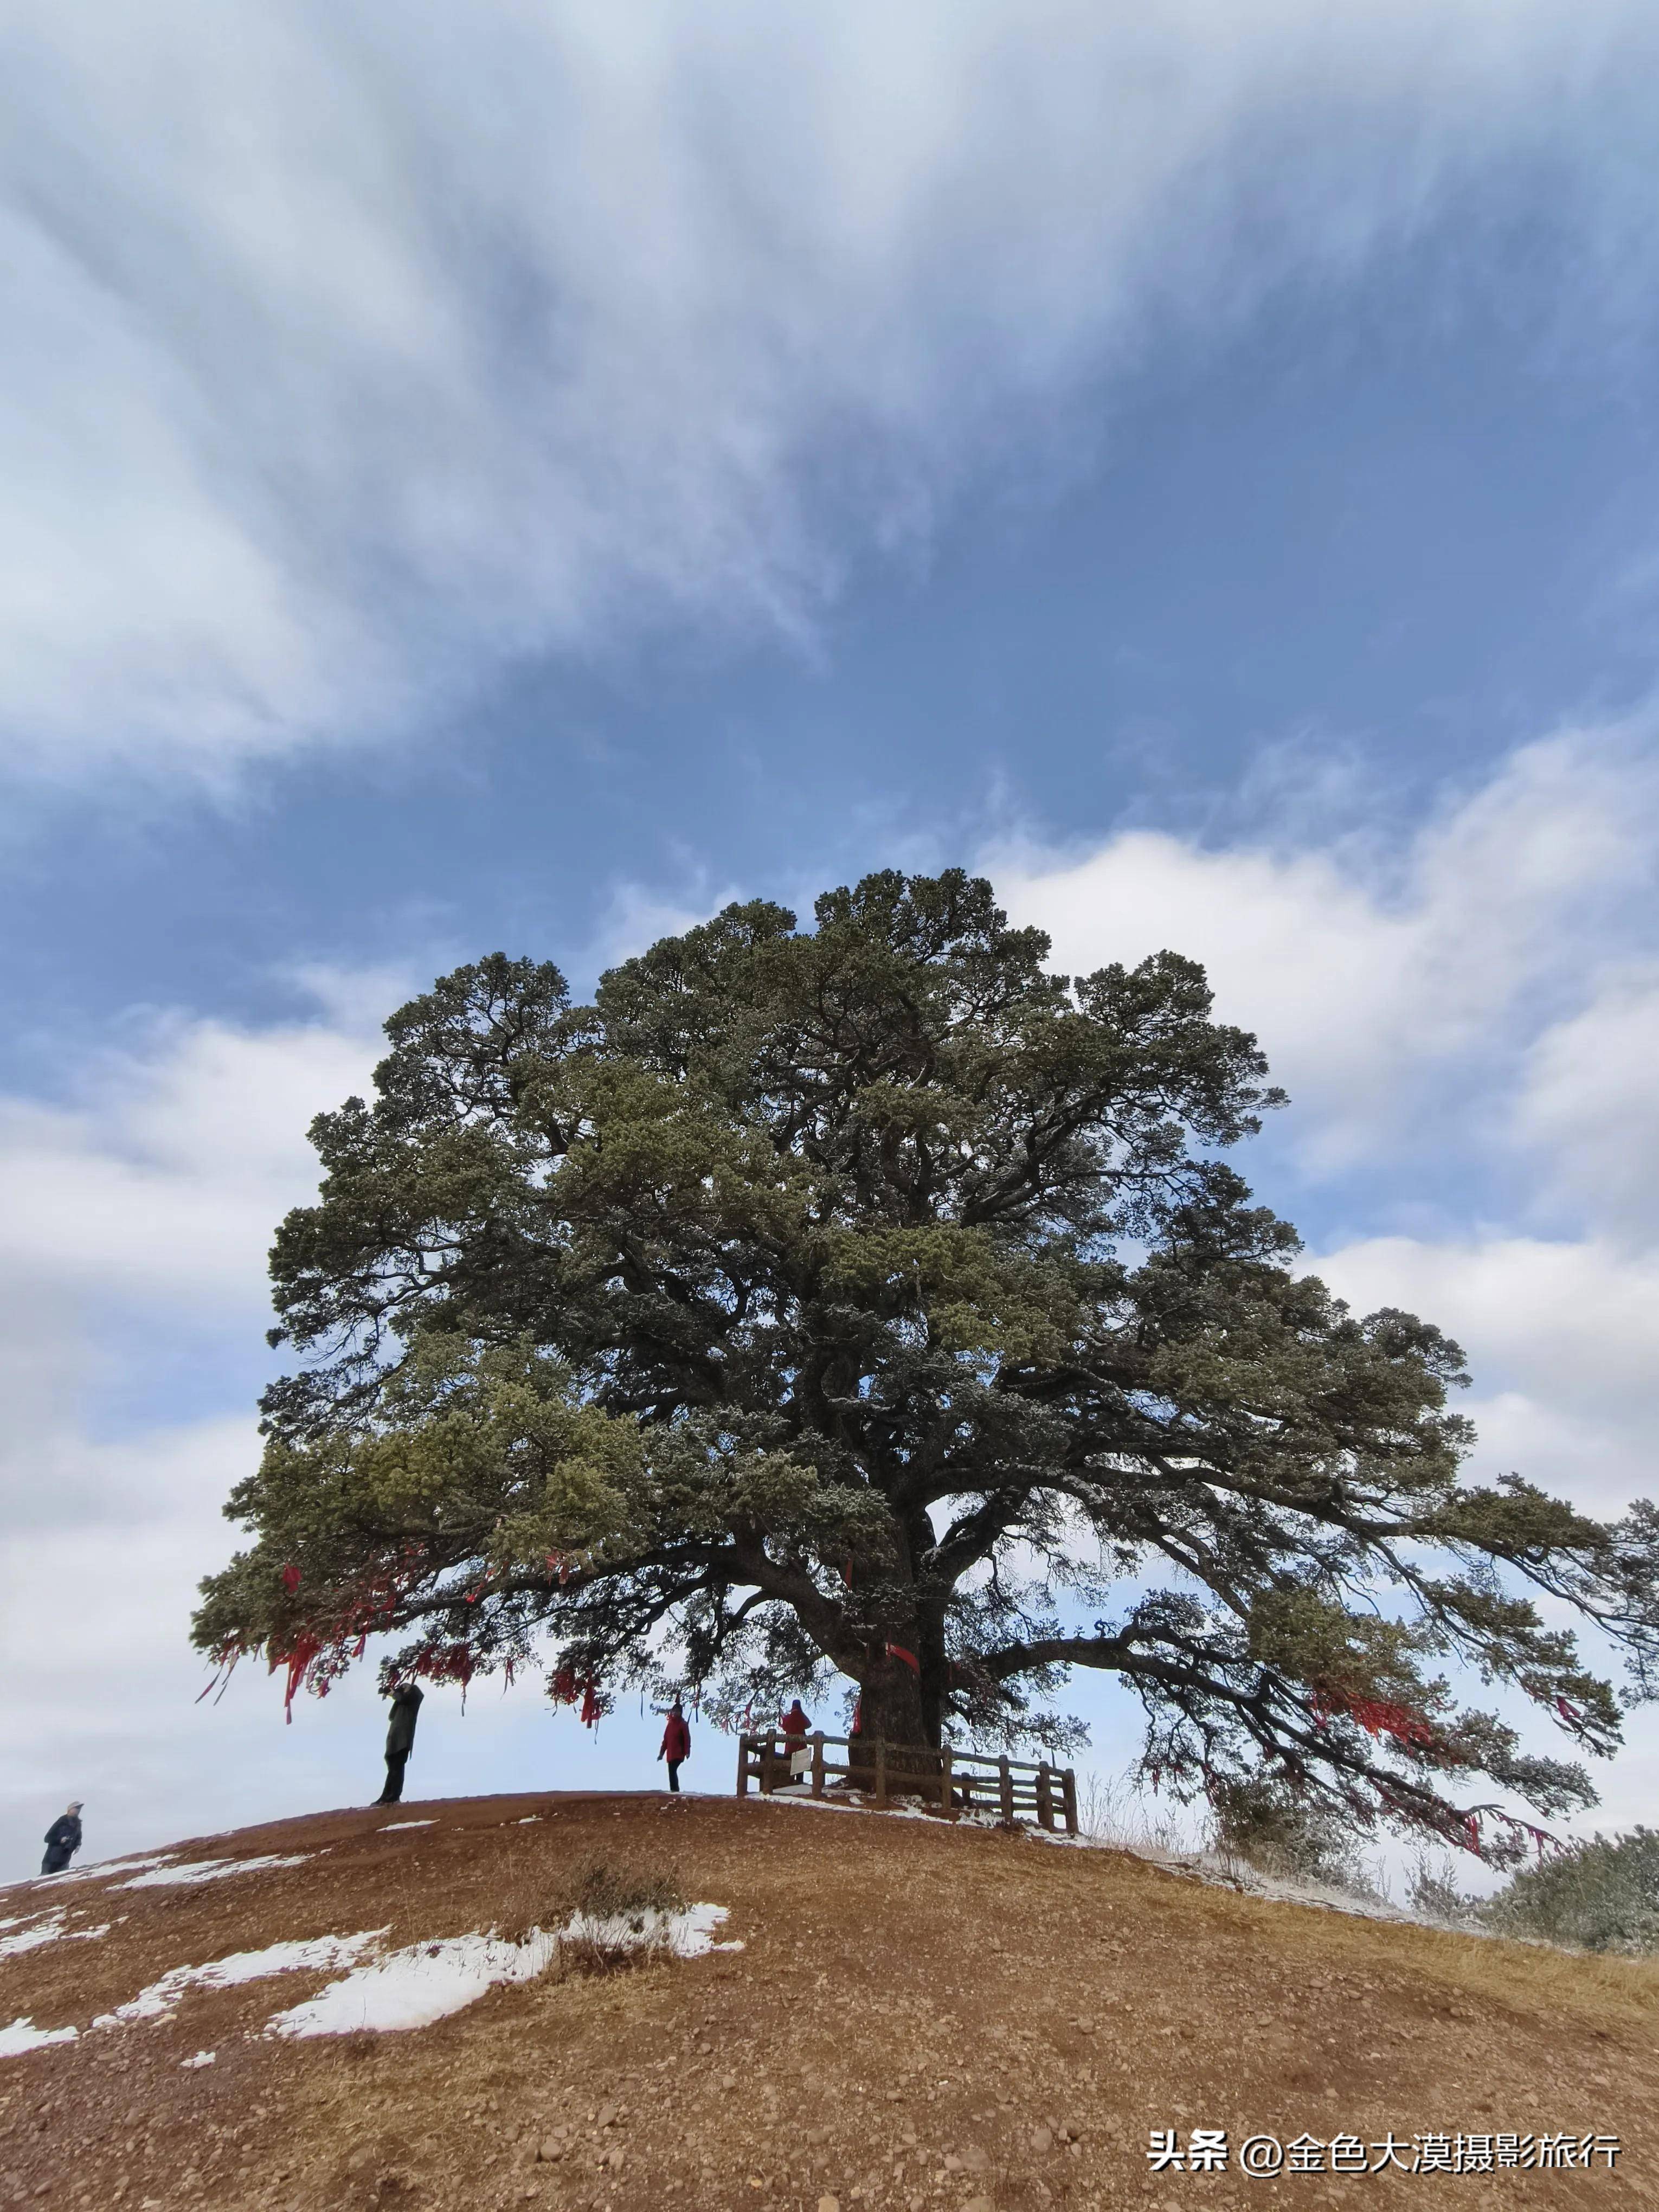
{"points": [[922, 2016]]}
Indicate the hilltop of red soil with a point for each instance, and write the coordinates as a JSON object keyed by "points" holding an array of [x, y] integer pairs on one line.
{"points": [[920, 2016]]}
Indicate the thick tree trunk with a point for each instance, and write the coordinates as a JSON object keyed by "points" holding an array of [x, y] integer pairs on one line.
{"points": [[891, 1702]]}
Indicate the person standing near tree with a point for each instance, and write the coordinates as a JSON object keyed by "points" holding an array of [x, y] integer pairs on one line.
{"points": [[63, 1839], [796, 1726], [676, 1746], [400, 1740]]}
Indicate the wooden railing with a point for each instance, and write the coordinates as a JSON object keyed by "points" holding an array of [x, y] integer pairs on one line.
{"points": [[957, 1781]]}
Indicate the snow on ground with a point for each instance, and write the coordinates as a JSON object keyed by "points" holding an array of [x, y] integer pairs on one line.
{"points": [[402, 1989], [427, 1982], [391, 1825], [412, 1988], [687, 1934], [317, 1954], [100, 1872], [45, 1929], [212, 1870], [23, 2035]]}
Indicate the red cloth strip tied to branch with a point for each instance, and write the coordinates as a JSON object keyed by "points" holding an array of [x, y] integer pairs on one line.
{"points": [[303, 1650], [898, 1651], [1377, 1717], [565, 1688]]}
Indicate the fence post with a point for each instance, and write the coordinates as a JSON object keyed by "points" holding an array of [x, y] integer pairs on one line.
{"points": [[1045, 1802], [817, 1764], [946, 1794], [767, 1784], [1068, 1798], [1007, 1781], [881, 1769], [742, 1766]]}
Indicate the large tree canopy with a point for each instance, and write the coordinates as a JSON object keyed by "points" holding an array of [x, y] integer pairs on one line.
{"points": [[870, 1299]]}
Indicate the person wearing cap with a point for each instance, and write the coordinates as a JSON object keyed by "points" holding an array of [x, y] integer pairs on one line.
{"points": [[62, 1840]]}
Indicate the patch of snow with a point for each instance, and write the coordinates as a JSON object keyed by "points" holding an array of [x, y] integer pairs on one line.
{"points": [[47, 1928], [100, 1872], [202, 2058], [23, 2035], [413, 1987], [850, 1801], [213, 1870], [427, 1982], [315, 1954], [688, 1934], [391, 1825]]}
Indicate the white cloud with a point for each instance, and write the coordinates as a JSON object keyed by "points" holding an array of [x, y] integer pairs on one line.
{"points": [[169, 1171], [1589, 1106], [1563, 1340], [353, 353], [134, 1223], [1399, 993]]}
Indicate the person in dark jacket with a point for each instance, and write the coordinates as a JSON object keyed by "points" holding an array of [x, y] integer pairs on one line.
{"points": [[400, 1740], [62, 1840], [675, 1744]]}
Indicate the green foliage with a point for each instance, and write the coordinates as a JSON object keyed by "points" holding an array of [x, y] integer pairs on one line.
{"points": [[1602, 1895], [815, 1299]]}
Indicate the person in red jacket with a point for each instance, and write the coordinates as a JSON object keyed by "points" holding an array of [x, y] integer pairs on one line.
{"points": [[675, 1744], [796, 1726]]}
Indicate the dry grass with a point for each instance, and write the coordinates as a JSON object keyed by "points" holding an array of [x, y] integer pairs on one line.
{"points": [[624, 1891]]}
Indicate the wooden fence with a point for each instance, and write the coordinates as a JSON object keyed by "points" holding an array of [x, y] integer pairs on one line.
{"points": [[956, 1782]]}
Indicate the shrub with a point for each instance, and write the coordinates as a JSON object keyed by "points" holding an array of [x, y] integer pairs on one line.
{"points": [[1263, 1820], [1602, 1895], [607, 1889], [1433, 1895]]}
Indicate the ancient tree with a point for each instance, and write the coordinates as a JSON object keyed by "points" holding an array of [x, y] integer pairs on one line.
{"points": [[870, 1300]]}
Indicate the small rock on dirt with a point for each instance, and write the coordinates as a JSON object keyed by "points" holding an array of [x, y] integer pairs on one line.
{"points": [[829, 2204]]}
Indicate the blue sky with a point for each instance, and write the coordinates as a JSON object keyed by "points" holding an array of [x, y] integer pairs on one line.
{"points": [[518, 480]]}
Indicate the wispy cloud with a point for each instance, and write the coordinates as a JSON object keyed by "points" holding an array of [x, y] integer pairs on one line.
{"points": [[354, 354]]}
